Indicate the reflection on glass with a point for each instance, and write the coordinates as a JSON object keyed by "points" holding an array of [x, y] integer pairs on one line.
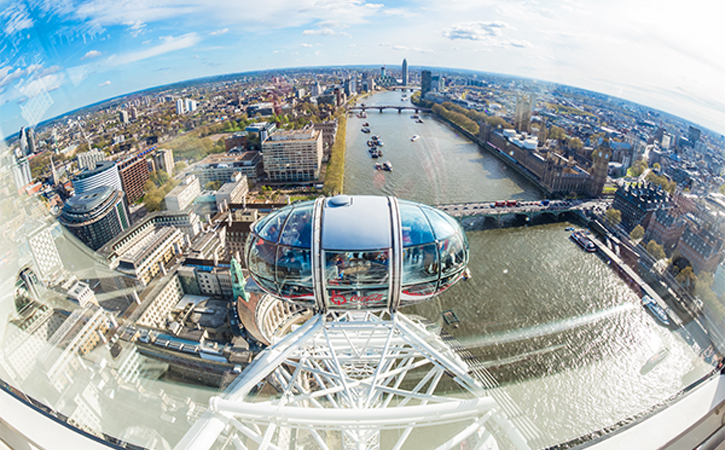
{"points": [[356, 268], [420, 263], [298, 228], [415, 229], [273, 225], [293, 264]]}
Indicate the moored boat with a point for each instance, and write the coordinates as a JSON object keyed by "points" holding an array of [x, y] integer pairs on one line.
{"points": [[414, 137], [583, 241], [656, 309]]}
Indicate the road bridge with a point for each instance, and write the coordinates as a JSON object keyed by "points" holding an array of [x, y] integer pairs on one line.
{"points": [[477, 214], [380, 108]]}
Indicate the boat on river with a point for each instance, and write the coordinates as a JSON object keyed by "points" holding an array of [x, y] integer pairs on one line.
{"points": [[375, 153], [583, 241], [386, 166], [365, 130], [656, 310], [414, 137]]}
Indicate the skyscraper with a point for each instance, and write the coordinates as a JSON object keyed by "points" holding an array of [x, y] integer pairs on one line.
{"points": [[180, 106], [404, 72], [21, 172], [425, 82], [123, 116]]}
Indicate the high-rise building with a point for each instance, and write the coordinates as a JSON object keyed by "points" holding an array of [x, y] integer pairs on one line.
{"points": [[31, 141], [88, 160], [190, 105], [180, 106], [164, 160], [123, 116], [694, 134], [23, 140], [293, 155], [104, 173], [425, 82], [96, 216], [21, 172], [134, 173], [134, 113], [404, 72]]}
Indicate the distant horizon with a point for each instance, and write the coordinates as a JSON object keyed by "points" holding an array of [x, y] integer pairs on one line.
{"points": [[204, 79], [60, 55]]}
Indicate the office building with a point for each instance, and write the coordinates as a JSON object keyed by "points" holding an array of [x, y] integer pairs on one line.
{"points": [[190, 105], [638, 202], [104, 173], [221, 167], [425, 82], [404, 72], [96, 216], [329, 130], [704, 250], [134, 173], [237, 141], [180, 106], [183, 194], [87, 160], [123, 116], [233, 191], [148, 257], [21, 172], [293, 155], [164, 160]]}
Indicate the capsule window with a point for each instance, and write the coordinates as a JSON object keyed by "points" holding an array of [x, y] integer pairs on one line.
{"points": [[356, 268], [443, 227], [293, 264], [262, 259], [269, 228], [298, 229], [420, 263]]}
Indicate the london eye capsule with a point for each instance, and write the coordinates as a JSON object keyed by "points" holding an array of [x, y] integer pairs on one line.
{"points": [[356, 252]]}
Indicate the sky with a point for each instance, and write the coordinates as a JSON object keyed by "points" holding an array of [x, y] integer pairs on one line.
{"points": [[59, 55]]}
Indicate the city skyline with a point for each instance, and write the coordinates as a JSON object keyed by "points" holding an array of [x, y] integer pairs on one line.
{"points": [[58, 57]]}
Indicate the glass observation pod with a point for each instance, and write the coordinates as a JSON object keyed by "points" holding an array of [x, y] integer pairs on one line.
{"points": [[357, 252]]}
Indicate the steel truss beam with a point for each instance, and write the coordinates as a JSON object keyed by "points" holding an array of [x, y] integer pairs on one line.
{"points": [[354, 375]]}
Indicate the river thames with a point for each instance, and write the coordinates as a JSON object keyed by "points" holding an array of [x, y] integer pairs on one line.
{"points": [[563, 334]]}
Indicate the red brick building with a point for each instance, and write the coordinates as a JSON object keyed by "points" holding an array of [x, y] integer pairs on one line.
{"points": [[134, 173]]}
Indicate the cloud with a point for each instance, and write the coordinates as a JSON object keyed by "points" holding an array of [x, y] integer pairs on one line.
{"points": [[170, 44], [306, 45], [476, 31], [319, 32], [105, 83], [16, 19], [91, 54], [136, 27], [219, 32]]}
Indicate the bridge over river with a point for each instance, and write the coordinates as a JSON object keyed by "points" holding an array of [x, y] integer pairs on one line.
{"points": [[478, 214], [380, 108]]}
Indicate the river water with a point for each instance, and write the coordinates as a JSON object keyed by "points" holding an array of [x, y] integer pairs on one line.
{"points": [[555, 325]]}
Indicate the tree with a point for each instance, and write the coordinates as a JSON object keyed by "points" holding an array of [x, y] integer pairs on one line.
{"points": [[557, 133], [613, 216], [687, 278], [656, 167], [637, 233], [655, 250], [575, 144], [213, 185], [181, 165]]}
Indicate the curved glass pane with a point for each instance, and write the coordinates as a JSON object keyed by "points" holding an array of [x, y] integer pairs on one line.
{"points": [[420, 264], [417, 293], [298, 229], [269, 228], [293, 264], [453, 255], [262, 259], [297, 293], [443, 227], [415, 229], [356, 268]]}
